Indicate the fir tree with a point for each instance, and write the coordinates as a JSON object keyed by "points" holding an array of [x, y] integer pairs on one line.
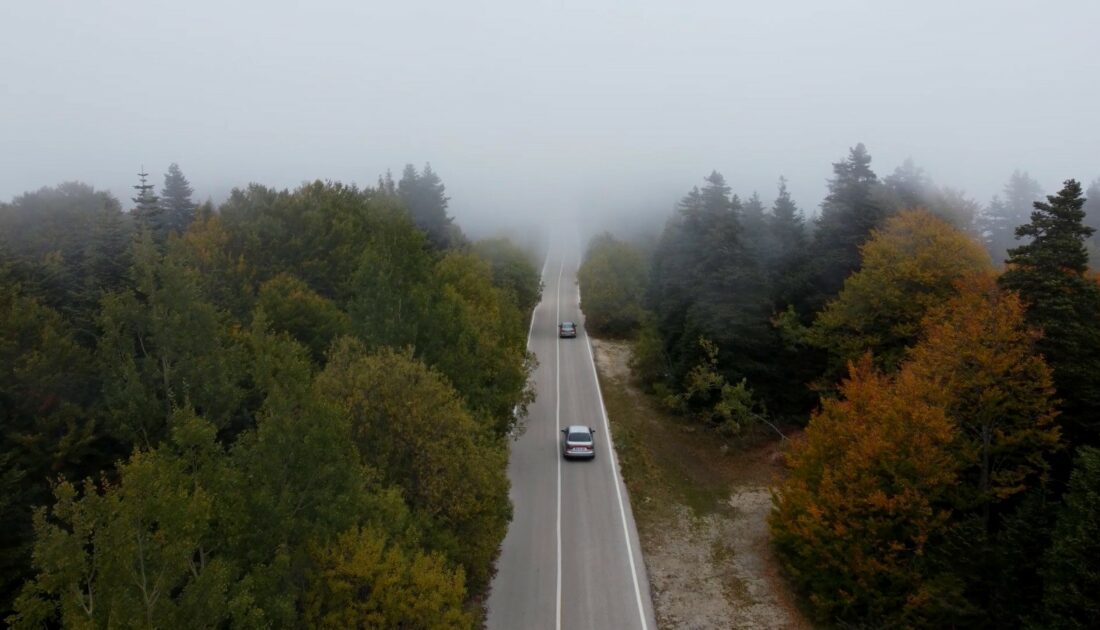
{"points": [[175, 200], [1049, 272], [848, 214], [1001, 218], [1072, 579], [423, 194], [787, 223], [147, 210]]}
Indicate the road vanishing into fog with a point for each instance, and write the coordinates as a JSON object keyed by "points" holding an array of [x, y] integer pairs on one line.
{"points": [[571, 559]]}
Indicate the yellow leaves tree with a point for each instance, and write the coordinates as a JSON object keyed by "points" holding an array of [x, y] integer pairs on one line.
{"points": [[359, 581], [909, 266], [865, 498]]}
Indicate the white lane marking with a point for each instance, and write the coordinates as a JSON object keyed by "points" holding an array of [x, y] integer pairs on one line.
{"points": [[615, 477], [557, 428]]}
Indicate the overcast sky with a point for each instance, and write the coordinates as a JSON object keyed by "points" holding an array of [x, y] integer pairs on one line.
{"points": [[545, 106]]}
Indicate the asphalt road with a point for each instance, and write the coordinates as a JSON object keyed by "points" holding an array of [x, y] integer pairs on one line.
{"points": [[571, 559]]}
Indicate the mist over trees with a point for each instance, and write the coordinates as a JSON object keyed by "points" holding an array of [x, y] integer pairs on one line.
{"points": [[242, 416], [942, 358]]}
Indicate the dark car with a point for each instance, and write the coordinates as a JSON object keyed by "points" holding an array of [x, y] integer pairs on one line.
{"points": [[577, 441], [567, 329]]}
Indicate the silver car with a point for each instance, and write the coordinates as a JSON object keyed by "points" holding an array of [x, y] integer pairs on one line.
{"points": [[577, 441], [567, 329]]}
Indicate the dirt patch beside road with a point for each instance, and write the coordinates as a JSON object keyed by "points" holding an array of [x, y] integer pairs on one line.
{"points": [[701, 509]]}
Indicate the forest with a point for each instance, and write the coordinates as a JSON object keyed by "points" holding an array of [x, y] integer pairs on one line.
{"points": [[289, 410], [934, 360]]}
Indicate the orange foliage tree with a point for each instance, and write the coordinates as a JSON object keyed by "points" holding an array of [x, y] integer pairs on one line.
{"points": [[867, 493], [977, 360]]}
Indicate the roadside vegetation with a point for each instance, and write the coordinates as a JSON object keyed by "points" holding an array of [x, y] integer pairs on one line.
{"points": [[935, 401], [287, 411]]}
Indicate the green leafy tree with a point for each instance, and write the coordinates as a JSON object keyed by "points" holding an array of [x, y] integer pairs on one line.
{"points": [[513, 270], [477, 337], [908, 266], [67, 245], [412, 427], [163, 347], [139, 553], [294, 308], [1049, 272], [613, 280], [175, 200], [47, 387]]}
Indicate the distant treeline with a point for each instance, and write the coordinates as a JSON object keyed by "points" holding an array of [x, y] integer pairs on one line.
{"points": [[287, 411], [948, 474]]}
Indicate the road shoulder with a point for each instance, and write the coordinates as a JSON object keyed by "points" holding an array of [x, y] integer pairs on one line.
{"points": [[700, 509]]}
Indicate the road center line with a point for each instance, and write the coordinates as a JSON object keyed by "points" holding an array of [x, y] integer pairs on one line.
{"points": [[614, 464], [557, 428]]}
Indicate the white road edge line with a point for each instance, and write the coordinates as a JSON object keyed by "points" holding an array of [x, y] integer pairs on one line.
{"points": [[557, 429], [615, 476], [531, 329]]}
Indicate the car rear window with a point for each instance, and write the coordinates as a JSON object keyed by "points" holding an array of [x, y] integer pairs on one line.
{"points": [[580, 437], [567, 326]]}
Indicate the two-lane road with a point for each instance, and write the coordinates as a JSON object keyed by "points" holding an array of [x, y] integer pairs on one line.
{"points": [[571, 559]]}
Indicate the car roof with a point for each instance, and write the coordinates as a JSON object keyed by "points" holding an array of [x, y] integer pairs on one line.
{"points": [[577, 428]]}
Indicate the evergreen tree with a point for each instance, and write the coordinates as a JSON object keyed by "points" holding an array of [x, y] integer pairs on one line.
{"points": [[1072, 579], [1092, 219], [788, 235], [787, 223], [908, 187], [386, 185], [147, 210], [423, 194], [848, 214], [1001, 218], [1049, 272], [707, 284], [175, 200], [758, 238], [107, 255]]}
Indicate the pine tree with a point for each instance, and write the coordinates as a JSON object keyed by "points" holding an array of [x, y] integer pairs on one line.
{"points": [[1092, 219], [1001, 218], [423, 194], [908, 186], [147, 211], [1072, 580], [1049, 272], [175, 200], [848, 214], [787, 223]]}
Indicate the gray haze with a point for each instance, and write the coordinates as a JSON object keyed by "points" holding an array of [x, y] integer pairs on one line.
{"points": [[548, 106]]}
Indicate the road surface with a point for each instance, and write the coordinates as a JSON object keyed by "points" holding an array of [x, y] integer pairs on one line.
{"points": [[571, 559]]}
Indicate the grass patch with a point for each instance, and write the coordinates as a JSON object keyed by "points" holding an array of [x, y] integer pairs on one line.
{"points": [[664, 459]]}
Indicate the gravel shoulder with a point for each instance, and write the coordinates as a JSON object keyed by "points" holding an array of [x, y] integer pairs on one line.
{"points": [[701, 507]]}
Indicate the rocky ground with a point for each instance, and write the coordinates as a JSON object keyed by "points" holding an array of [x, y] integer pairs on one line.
{"points": [[701, 505]]}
